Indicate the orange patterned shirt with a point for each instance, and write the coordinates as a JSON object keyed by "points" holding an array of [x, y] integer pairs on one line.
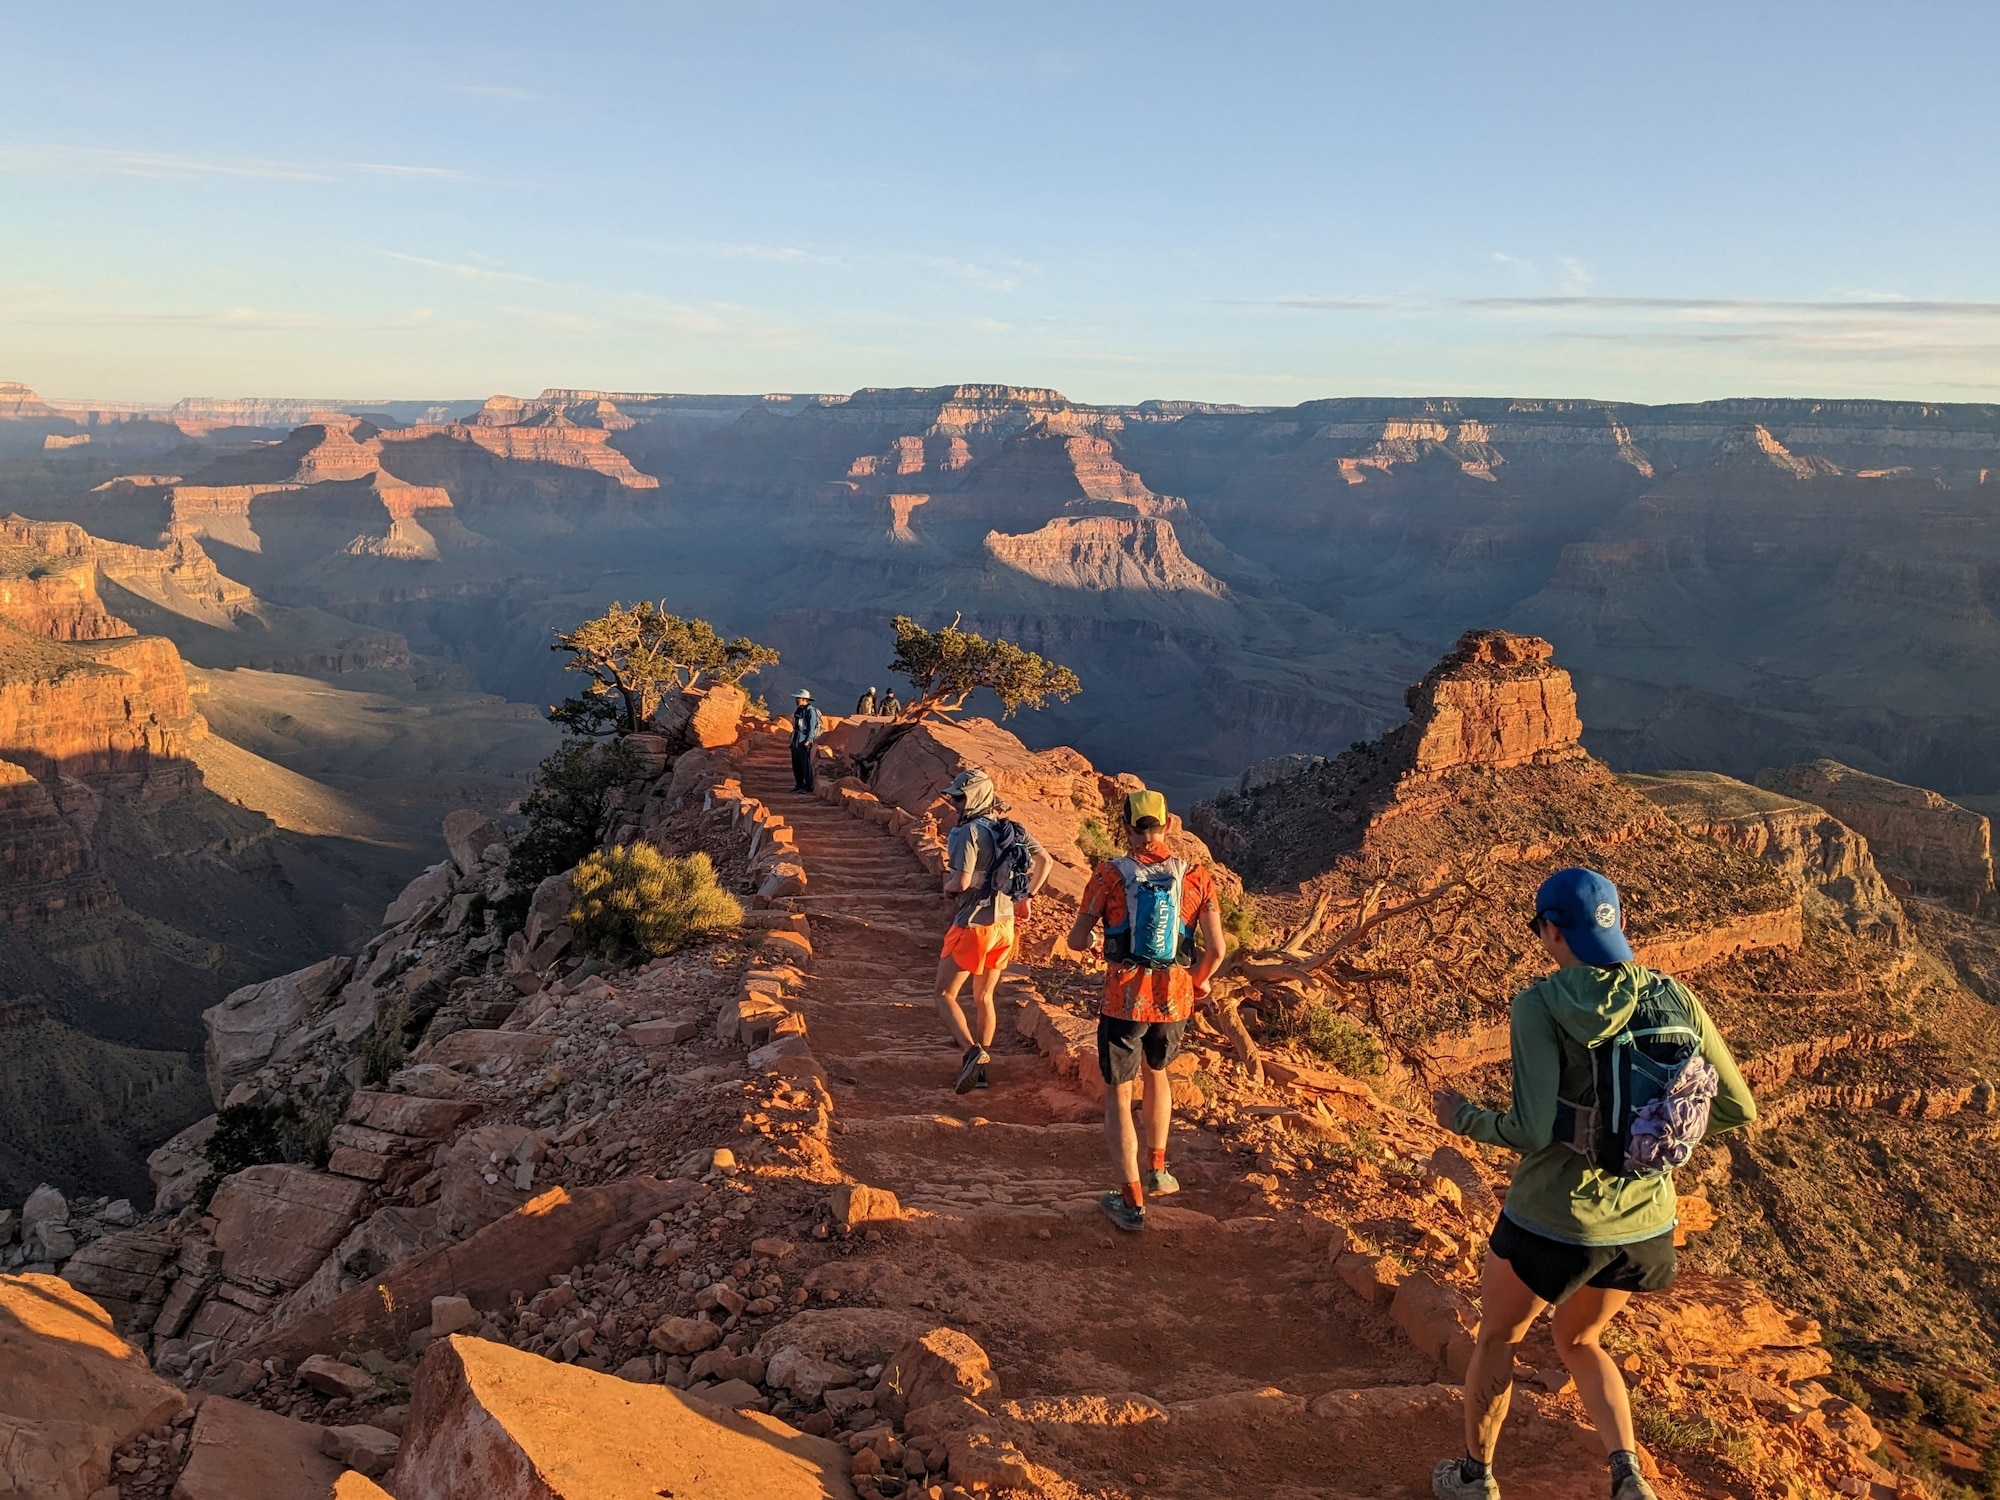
{"points": [[1133, 993]]}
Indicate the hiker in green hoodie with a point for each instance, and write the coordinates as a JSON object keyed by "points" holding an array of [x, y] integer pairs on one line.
{"points": [[1573, 1232]]}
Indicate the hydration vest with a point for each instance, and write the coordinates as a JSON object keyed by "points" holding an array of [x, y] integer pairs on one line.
{"points": [[1154, 934]]}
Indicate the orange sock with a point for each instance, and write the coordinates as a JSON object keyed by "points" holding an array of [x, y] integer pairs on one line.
{"points": [[1156, 1161], [1135, 1195]]}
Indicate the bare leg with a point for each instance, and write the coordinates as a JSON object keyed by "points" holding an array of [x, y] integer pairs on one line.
{"points": [[985, 1016], [1118, 1132], [950, 980], [1158, 1108], [1578, 1325], [1507, 1308]]}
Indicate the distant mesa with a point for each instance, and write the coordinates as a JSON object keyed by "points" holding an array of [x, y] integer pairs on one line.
{"points": [[58, 440], [1103, 553], [1753, 447]]}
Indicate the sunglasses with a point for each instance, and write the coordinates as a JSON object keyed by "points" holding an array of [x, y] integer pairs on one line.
{"points": [[1535, 923]]}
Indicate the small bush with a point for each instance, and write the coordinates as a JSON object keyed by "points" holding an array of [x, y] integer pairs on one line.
{"points": [[564, 811], [633, 901], [1239, 919], [1094, 840], [1333, 1038], [1948, 1404], [384, 1046]]}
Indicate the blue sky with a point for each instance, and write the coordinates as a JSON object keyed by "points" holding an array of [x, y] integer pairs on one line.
{"points": [[1240, 201]]}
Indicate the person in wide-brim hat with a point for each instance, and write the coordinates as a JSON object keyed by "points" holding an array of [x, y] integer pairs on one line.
{"points": [[806, 726]]}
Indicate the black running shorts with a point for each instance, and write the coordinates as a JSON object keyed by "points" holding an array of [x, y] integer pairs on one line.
{"points": [[1121, 1043], [1555, 1272]]}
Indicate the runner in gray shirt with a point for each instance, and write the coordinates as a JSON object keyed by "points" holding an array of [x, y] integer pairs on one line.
{"points": [[981, 937]]}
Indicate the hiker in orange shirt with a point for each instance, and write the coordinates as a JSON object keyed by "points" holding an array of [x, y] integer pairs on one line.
{"points": [[1152, 904]]}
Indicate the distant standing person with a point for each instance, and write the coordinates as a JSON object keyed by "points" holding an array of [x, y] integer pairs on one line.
{"points": [[1153, 904], [992, 864], [1590, 1217], [890, 706], [865, 709], [805, 734]]}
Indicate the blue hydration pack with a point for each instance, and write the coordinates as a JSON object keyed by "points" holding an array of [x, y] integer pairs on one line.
{"points": [[1153, 934], [1651, 1089]]}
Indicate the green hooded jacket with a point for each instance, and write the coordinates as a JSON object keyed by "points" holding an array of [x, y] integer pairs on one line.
{"points": [[1556, 1192]]}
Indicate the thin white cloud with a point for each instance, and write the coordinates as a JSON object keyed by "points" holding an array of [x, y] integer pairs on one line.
{"points": [[100, 161], [69, 160], [464, 271], [1735, 306]]}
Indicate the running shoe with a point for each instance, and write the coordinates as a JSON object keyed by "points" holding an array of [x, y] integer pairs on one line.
{"points": [[1124, 1215], [1162, 1182], [968, 1070], [980, 1082], [1448, 1482], [1632, 1487]]}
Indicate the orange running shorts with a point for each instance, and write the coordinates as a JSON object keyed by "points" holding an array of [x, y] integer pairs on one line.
{"points": [[977, 949]]}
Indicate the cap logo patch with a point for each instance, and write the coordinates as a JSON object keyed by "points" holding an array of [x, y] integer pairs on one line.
{"points": [[1607, 914]]}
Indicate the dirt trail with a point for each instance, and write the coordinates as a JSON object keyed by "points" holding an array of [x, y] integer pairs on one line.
{"points": [[1276, 1379]]}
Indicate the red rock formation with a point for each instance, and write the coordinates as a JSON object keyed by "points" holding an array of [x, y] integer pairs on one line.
{"points": [[1940, 848], [117, 705], [535, 434], [1102, 553], [1829, 863], [1497, 701], [48, 583]]}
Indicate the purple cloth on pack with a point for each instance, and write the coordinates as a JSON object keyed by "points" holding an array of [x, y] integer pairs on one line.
{"points": [[1666, 1131]]}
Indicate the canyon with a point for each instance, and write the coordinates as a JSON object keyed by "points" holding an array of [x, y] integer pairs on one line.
{"points": [[1740, 654]]}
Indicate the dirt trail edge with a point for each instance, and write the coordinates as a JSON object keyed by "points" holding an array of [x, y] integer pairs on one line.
{"points": [[1220, 1353]]}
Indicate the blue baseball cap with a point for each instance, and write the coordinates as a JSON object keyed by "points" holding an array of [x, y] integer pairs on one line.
{"points": [[1584, 907]]}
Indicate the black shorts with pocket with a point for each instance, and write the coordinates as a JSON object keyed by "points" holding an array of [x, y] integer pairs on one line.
{"points": [[1555, 1272], [1121, 1043]]}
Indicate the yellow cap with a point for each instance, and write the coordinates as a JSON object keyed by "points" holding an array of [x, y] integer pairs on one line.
{"points": [[1141, 807]]}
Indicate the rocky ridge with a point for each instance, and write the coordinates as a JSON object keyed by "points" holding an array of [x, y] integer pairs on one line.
{"points": [[738, 1173]]}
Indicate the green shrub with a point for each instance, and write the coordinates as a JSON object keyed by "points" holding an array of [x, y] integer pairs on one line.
{"points": [[252, 1135], [633, 901], [384, 1047], [1333, 1038], [1094, 840], [1239, 918], [563, 812], [1948, 1403]]}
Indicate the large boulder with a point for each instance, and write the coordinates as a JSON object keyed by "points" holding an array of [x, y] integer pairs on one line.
{"points": [[717, 717], [71, 1393], [237, 1451], [503, 1424], [432, 889], [388, 1237], [1498, 700], [487, 1173], [548, 908], [551, 1232], [125, 1274], [275, 1223], [247, 1026], [178, 1167], [468, 835]]}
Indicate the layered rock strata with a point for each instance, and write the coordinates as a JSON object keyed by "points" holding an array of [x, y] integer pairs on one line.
{"points": [[1930, 842]]}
